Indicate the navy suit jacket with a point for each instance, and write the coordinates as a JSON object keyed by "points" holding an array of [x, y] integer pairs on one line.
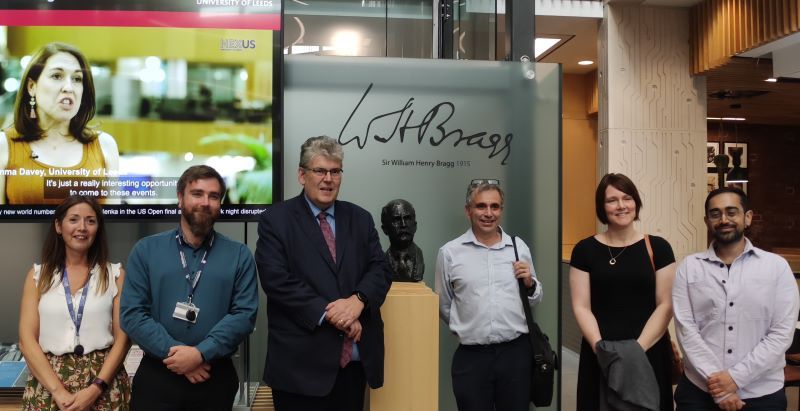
{"points": [[300, 278]]}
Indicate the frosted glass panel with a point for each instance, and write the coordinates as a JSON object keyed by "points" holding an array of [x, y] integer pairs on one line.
{"points": [[420, 130]]}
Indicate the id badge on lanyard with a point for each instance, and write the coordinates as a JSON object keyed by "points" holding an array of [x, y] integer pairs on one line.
{"points": [[76, 318], [186, 310]]}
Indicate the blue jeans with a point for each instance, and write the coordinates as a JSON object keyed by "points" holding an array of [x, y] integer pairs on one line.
{"points": [[688, 397]]}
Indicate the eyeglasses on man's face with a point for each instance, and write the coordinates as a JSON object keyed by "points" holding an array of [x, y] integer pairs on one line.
{"points": [[489, 181], [322, 172], [730, 212]]}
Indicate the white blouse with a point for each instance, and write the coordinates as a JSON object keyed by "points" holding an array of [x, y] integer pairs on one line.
{"points": [[56, 329]]}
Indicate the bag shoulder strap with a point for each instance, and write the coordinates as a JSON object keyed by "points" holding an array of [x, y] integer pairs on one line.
{"points": [[676, 357], [540, 344], [523, 295], [650, 251]]}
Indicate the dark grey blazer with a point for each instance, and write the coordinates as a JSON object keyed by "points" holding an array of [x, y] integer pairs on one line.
{"points": [[630, 383]]}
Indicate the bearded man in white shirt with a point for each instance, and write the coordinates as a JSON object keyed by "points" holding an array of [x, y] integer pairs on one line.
{"points": [[735, 314], [476, 279]]}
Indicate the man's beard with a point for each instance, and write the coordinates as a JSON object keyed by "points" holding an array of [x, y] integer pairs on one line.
{"points": [[729, 237], [200, 220]]}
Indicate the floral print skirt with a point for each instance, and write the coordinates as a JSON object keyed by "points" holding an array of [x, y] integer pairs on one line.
{"points": [[76, 373]]}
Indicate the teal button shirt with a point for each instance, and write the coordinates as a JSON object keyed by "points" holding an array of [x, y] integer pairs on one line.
{"points": [[226, 295]]}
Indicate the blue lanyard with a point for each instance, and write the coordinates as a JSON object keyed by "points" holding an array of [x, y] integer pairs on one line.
{"points": [[196, 279], [76, 319]]}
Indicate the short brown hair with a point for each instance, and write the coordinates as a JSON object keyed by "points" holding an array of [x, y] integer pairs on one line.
{"points": [[200, 172], [28, 128], [622, 183]]}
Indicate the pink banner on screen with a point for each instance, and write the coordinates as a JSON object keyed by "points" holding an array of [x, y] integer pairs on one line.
{"points": [[116, 18]]}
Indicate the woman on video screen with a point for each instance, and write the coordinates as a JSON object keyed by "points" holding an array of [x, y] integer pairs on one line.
{"points": [[50, 136], [69, 328]]}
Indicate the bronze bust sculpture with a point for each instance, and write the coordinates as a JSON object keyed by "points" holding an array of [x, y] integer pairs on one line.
{"points": [[399, 223]]}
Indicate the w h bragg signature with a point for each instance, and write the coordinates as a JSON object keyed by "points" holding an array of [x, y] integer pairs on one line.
{"points": [[433, 126]]}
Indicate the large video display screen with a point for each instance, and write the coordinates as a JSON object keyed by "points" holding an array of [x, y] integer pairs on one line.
{"points": [[116, 98]]}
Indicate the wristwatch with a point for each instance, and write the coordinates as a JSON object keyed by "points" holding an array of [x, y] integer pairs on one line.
{"points": [[361, 297], [532, 290], [100, 384]]}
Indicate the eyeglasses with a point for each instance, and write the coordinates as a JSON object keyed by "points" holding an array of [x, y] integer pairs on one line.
{"points": [[730, 213], [489, 181], [322, 172]]}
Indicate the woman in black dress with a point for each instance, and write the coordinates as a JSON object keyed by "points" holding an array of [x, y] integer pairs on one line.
{"points": [[615, 293]]}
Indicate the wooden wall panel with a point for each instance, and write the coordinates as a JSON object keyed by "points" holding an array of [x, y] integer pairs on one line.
{"points": [[723, 28], [579, 139], [652, 119]]}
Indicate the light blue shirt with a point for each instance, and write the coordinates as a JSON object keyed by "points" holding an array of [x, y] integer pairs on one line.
{"points": [[329, 216], [478, 292], [740, 319]]}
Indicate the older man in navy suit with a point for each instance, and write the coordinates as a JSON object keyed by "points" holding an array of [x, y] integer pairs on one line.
{"points": [[325, 276]]}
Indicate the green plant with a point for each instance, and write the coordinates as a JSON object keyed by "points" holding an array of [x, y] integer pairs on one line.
{"points": [[253, 186]]}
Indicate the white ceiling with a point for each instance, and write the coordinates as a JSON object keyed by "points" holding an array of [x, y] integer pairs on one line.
{"points": [[765, 50], [671, 3], [582, 34], [581, 44], [660, 3]]}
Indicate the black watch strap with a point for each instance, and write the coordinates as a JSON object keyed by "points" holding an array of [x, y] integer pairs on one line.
{"points": [[361, 297], [532, 290]]}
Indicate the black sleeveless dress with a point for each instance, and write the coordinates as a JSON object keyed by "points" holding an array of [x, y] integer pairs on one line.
{"points": [[623, 298]]}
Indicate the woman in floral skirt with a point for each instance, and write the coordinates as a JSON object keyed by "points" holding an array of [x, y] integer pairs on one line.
{"points": [[69, 319]]}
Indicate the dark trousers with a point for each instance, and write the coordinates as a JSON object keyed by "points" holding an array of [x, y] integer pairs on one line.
{"points": [[347, 394], [156, 388], [493, 377], [688, 397]]}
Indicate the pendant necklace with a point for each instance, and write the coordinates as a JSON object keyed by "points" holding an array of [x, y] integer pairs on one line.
{"points": [[613, 259]]}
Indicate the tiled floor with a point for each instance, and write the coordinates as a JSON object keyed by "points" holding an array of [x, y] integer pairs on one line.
{"points": [[569, 380]]}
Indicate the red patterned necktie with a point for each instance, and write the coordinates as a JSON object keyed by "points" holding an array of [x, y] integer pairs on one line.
{"points": [[330, 240], [327, 232]]}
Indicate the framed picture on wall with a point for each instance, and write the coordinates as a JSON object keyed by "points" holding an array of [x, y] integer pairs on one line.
{"points": [[737, 149], [712, 150], [741, 186], [713, 181]]}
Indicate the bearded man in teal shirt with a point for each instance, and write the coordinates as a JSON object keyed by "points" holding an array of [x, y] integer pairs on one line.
{"points": [[190, 298]]}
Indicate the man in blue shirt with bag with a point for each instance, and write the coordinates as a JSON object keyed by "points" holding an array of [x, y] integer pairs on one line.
{"points": [[476, 279]]}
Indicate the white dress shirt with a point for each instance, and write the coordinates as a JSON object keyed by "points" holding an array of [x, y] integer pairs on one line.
{"points": [[56, 329], [478, 293], [740, 319]]}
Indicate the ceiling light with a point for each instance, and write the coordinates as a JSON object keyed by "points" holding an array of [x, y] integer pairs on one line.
{"points": [[771, 80], [585, 63], [346, 42], [727, 118]]}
